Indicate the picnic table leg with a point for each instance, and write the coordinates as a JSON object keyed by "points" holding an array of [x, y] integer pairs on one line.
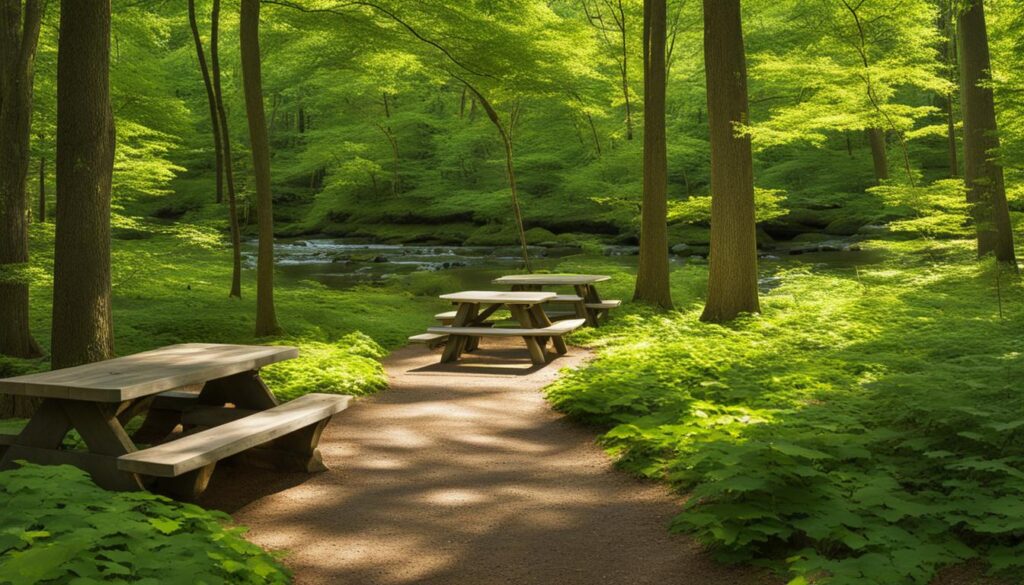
{"points": [[589, 295], [457, 343], [244, 390], [295, 451], [522, 315], [97, 424], [473, 343], [542, 320]]}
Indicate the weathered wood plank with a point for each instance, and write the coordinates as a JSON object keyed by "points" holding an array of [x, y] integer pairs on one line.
{"points": [[200, 449], [151, 372], [558, 328], [499, 297], [550, 279]]}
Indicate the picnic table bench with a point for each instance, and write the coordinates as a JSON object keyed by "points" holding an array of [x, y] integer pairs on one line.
{"points": [[202, 403], [592, 308], [463, 328]]}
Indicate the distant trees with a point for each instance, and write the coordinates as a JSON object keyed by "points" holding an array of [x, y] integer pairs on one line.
{"points": [[82, 320], [611, 20], [652, 284], [266, 316], [19, 37], [732, 276], [983, 173]]}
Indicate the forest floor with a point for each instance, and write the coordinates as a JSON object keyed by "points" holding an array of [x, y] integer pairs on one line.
{"points": [[463, 474]]}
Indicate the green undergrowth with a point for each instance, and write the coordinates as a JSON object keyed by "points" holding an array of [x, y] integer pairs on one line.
{"points": [[865, 428], [56, 526]]}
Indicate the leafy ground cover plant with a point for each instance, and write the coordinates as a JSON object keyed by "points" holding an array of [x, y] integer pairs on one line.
{"points": [[864, 429], [56, 526]]}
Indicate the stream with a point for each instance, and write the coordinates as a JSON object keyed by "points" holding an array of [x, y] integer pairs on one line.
{"points": [[342, 264]]}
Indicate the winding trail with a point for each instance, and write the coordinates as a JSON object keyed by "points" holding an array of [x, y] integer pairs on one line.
{"points": [[462, 475]]}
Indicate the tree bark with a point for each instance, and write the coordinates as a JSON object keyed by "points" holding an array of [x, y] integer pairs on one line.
{"points": [[948, 51], [652, 285], [225, 138], [42, 189], [983, 174], [732, 277], [210, 99], [625, 72], [82, 320], [17, 52], [876, 138], [266, 316], [506, 141]]}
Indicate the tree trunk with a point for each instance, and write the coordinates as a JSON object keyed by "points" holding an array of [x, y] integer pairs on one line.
{"points": [[506, 141], [225, 139], [42, 189], [593, 132], [983, 174], [732, 277], [17, 51], [876, 138], [652, 284], [948, 51], [266, 316], [82, 321], [211, 100], [396, 177]]}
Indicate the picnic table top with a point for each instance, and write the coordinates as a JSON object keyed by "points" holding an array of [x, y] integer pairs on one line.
{"points": [[499, 297], [551, 279], [147, 373]]}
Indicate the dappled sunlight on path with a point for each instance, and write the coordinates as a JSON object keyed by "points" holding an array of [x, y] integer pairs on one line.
{"points": [[461, 474]]}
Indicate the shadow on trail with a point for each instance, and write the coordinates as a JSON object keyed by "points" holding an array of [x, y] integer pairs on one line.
{"points": [[467, 479]]}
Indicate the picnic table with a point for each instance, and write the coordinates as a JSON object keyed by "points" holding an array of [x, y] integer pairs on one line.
{"points": [[469, 323], [201, 402], [592, 308]]}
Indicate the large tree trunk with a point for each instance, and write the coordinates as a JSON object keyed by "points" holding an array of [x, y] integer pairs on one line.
{"points": [[983, 174], [17, 52], [225, 136], [732, 277], [266, 316], [652, 284], [876, 138], [210, 99], [82, 321]]}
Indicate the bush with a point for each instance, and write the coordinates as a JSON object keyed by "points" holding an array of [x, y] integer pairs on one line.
{"points": [[56, 526], [866, 428]]}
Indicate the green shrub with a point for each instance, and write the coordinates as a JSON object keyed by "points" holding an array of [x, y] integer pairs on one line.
{"points": [[349, 365], [866, 428], [56, 526]]}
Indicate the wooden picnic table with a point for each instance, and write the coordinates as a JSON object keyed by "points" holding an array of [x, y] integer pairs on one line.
{"points": [[584, 285], [201, 402], [469, 323]]}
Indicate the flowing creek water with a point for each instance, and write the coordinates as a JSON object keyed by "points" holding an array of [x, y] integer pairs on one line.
{"points": [[342, 264]]}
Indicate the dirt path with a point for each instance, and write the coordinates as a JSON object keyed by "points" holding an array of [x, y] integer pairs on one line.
{"points": [[462, 475]]}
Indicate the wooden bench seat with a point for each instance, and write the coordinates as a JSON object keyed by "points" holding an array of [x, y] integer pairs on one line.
{"points": [[566, 299], [201, 451], [604, 305], [556, 329], [431, 340]]}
